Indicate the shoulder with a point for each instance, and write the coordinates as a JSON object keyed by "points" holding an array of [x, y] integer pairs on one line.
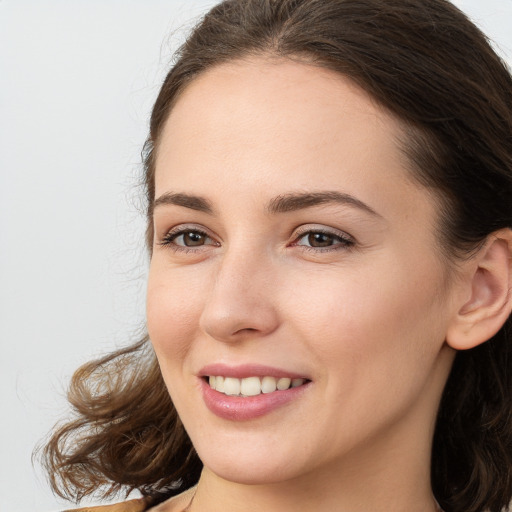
{"points": [[138, 505], [176, 503]]}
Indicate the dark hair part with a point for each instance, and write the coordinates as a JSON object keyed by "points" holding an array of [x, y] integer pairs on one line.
{"points": [[426, 63]]}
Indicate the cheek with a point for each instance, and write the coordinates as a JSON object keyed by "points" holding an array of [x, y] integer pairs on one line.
{"points": [[375, 336], [387, 320], [173, 307]]}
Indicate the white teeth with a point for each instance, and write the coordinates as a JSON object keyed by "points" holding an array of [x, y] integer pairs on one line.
{"points": [[252, 386], [283, 383], [219, 384], [268, 385], [232, 386]]}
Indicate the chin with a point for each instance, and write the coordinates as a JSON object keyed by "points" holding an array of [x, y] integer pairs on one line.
{"points": [[256, 468], [246, 475]]}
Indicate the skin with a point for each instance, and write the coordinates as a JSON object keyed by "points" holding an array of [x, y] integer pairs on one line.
{"points": [[365, 321]]}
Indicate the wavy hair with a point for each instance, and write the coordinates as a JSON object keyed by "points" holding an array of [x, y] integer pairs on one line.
{"points": [[426, 63]]}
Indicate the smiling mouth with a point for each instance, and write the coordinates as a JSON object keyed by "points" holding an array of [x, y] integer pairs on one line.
{"points": [[252, 386]]}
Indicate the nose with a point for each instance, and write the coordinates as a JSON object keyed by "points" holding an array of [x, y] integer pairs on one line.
{"points": [[240, 303]]}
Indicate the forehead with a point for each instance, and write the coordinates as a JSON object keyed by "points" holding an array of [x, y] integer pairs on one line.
{"points": [[293, 124], [297, 100]]}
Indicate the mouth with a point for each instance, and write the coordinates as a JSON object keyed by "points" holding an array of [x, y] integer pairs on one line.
{"points": [[246, 392], [252, 386]]}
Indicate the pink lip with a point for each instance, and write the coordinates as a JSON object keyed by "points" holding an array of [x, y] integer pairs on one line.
{"points": [[236, 408], [247, 370]]}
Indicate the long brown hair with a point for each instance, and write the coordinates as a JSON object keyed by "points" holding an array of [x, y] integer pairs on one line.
{"points": [[429, 65]]}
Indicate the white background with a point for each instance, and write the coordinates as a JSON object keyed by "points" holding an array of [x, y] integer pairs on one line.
{"points": [[77, 81]]}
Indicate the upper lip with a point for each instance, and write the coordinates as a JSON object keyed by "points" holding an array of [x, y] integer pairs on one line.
{"points": [[247, 370]]}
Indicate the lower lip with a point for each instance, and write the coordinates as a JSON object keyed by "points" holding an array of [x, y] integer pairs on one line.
{"points": [[237, 408]]}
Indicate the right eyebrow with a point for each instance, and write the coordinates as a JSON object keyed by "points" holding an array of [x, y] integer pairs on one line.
{"points": [[197, 203]]}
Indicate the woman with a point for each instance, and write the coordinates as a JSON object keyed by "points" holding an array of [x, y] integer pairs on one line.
{"points": [[329, 223]]}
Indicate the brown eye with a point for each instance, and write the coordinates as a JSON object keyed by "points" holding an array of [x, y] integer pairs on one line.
{"points": [[324, 240], [320, 240], [191, 239], [187, 238]]}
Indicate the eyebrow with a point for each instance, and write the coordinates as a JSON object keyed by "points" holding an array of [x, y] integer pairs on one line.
{"points": [[298, 201], [280, 204], [197, 203]]}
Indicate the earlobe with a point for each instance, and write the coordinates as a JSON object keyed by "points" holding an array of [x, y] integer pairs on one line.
{"points": [[489, 286]]}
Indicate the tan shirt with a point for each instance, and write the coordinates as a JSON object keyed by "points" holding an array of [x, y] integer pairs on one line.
{"points": [[138, 505]]}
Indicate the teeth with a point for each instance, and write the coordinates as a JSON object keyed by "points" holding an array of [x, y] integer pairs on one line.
{"points": [[296, 382], [219, 384], [232, 386], [252, 386], [283, 383], [268, 385]]}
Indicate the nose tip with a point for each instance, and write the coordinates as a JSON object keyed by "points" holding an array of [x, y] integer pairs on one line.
{"points": [[239, 305], [237, 318]]}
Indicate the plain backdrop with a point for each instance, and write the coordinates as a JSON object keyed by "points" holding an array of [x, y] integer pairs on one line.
{"points": [[77, 81]]}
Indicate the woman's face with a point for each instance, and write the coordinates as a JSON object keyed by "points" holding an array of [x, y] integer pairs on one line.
{"points": [[291, 246]]}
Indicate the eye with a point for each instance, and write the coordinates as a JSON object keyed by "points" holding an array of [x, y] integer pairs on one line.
{"points": [[187, 238], [319, 239], [190, 239]]}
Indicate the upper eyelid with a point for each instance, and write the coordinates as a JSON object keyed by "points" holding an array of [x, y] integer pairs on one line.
{"points": [[183, 228], [301, 231]]}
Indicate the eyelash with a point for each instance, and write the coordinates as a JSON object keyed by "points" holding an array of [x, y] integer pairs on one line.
{"points": [[342, 241], [169, 239]]}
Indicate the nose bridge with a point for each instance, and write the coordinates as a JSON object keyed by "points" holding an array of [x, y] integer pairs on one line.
{"points": [[239, 301]]}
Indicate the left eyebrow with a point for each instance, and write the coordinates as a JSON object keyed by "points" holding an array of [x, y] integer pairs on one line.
{"points": [[298, 201]]}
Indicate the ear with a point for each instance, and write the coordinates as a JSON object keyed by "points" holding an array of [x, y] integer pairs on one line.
{"points": [[488, 284]]}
